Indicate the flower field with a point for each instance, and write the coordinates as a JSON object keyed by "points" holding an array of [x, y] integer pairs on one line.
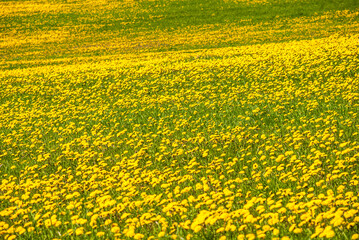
{"points": [[118, 121]]}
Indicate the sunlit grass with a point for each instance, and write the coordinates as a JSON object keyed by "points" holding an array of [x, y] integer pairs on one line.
{"points": [[210, 130]]}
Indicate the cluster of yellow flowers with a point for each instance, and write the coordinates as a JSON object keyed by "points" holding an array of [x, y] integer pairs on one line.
{"points": [[242, 142], [245, 142], [26, 37]]}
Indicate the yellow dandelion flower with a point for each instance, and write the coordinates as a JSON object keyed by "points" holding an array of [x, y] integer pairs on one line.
{"points": [[115, 229], [79, 231], [11, 237], [138, 236], [250, 236], [20, 230]]}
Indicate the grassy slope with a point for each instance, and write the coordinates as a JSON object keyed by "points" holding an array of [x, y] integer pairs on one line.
{"points": [[148, 96], [79, 29]]}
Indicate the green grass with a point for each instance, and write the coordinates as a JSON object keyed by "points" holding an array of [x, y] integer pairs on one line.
{"points": [[179, 109], [88, 27]]}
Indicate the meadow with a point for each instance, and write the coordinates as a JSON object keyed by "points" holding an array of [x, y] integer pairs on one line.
{"points": [[179, 119]]}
